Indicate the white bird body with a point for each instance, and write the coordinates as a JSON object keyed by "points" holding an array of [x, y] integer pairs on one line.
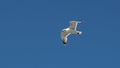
{"points": [[70, 30]]}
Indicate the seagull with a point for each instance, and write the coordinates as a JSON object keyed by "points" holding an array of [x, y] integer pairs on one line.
{"points": [[70, 30]]}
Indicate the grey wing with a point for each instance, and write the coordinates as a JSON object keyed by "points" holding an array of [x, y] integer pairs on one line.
{"points": [[73, 25], [64, 36]]}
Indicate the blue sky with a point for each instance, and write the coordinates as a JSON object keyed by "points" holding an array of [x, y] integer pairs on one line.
{"points": [[30, 34]]}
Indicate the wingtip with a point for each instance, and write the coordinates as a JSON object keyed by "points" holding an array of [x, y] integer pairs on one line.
{"points": [[64, 43], [78, 21]]}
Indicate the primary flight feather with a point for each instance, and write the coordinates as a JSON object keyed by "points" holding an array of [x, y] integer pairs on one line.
{"points": [[70, 30]]}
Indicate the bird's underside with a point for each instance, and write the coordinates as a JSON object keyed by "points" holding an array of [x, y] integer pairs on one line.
{"points": [[71, 30]]}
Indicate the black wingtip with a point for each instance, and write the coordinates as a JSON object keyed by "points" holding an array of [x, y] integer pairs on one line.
{"points": [[64, 43]]}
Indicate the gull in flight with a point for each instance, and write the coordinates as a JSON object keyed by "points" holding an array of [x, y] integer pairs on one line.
{"points": [[70, 30]]}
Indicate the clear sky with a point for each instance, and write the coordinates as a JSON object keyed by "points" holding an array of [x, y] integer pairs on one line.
{"points": [[30, 34]]}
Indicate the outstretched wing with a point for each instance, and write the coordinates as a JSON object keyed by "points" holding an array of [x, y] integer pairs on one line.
{"points": [[64, 36], [73, 24]]}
